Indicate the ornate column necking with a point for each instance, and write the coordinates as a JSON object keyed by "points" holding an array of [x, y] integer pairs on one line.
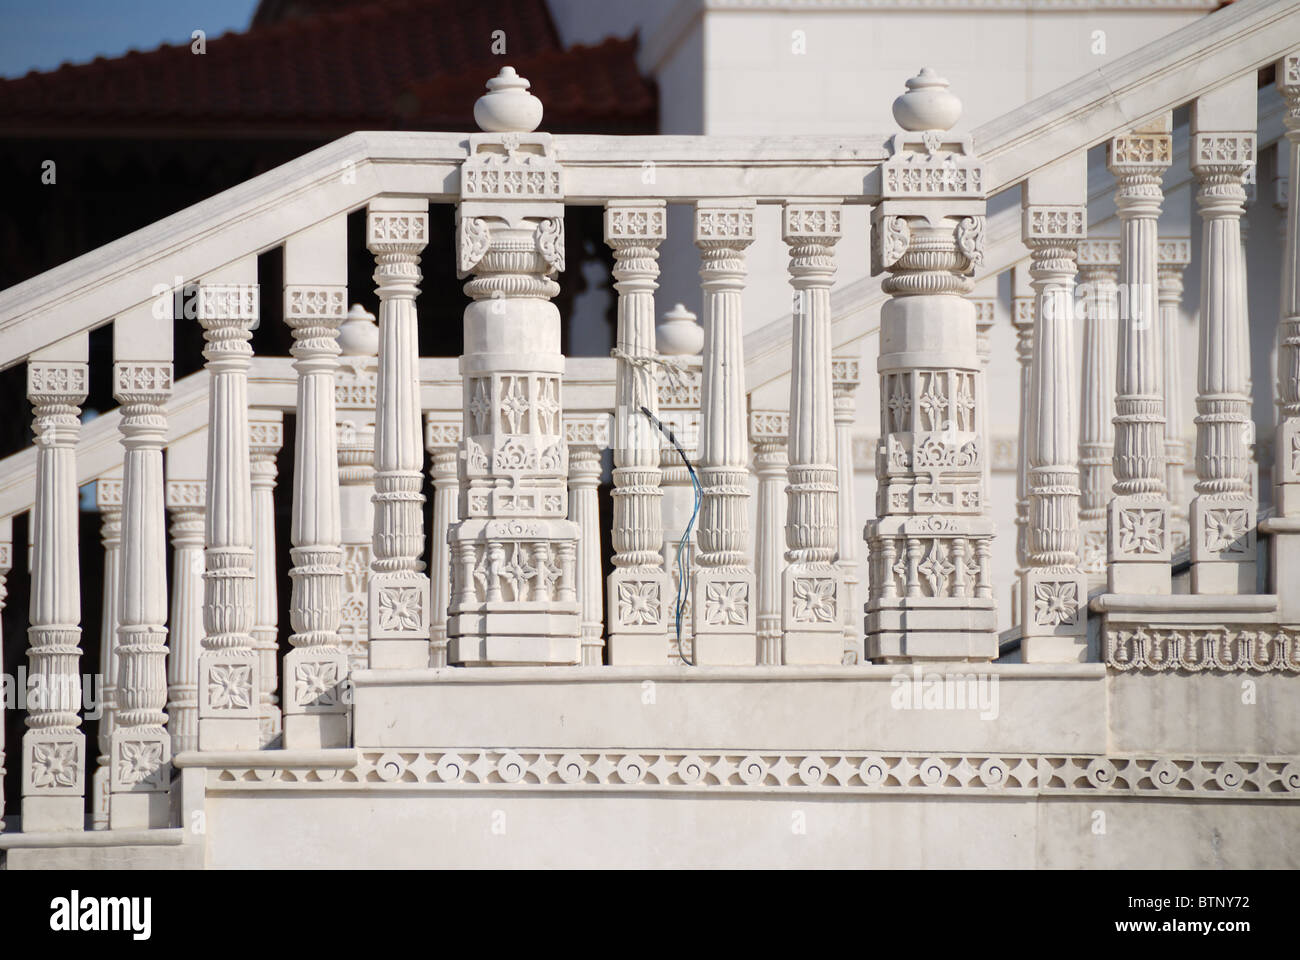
{"points": [[812, 591], [1137, 519], [1224, 510], [108, 499], [265, 438], [723, 590], [514, 552], [442, 436], [1099, 276], [845, 377], [54, 748], [229, 668], [769, 432], [141, 746], [930, 543], [1172, 258], [586, 436], [638, 589], [315, 670], [1054, 591], [186, 500]]}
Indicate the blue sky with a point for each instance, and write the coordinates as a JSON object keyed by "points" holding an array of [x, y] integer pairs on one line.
{"points": [[42, 34]]}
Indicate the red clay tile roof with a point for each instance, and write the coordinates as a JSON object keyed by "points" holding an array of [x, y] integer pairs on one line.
{"points": [[328, 67]]}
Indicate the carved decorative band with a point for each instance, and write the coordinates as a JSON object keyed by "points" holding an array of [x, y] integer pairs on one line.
{"points": [[1227, 648], [635, 222], [228, 301], [1044, 222], [307, 302], [137, 382], [57, 381], [187, 494]]}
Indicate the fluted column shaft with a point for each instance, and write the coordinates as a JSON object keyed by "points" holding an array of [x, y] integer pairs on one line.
{"points": [[813, 596], [266, 437], [141, 746], [1099, 271], [1174, 255], [769, 433], [1224, 511], [185, 500], [315, 707], [108, 498], [6, 564], [1022, 320], [229, 669], [1138, 541], [442, 437], [845, 377], [584, 510], [54, 748], [724, 594]]}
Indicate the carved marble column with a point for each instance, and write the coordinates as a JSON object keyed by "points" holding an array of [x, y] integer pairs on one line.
{"points": [[6, 564], [1137, 518], [723, 590], [54, 748], [141, 746], [514, 597], [1022, 321], [1173, 255], [679, 338], [265, 438], [397, 231], [354, 404], [1054, 592], [315, 670], [638, 588], [229, 668], [812, 593], [1224, 510], [1098, 274], [930, 543], [442, 436], [769, 432], [108, 498], [1284, 526], [586, 436], [845, 377], [185, 500]]}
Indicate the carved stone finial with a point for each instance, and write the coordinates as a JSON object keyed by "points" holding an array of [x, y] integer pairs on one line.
{"points": [[358, 336], [928, 104], [679, 334], [508, 107]]}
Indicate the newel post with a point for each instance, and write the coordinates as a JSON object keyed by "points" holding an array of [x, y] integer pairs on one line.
{"points": [[930, 543]]}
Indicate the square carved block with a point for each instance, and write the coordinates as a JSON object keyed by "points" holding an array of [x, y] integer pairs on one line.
{"points": [[1137, 530], [54, 763], [399, 607], [314, 681], [723, 618], [813, 602], [1054, 604], [639, 603], [1223, 530], [228, 685], [140, 761]]}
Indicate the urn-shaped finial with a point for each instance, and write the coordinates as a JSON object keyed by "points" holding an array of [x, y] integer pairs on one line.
{"points": [[679, 334], [508, 107], [358, 335], [928, 104]]}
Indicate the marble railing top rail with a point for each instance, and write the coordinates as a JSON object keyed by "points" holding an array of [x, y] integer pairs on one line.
{"points": [[588, 387]]}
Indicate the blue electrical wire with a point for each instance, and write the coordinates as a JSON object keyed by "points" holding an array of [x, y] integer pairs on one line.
{"points": [[682, 568]]}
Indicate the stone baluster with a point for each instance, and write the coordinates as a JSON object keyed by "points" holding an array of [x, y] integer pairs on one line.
{"points": [[812, 592], [1022, 320], [680, 337], [638, 589], [1099, 276], [514, 546], [930, 543], [1224, 510], [316, 669], [1174, 253], [108, 499], [586, 436], [845, 377], [354, 404], [229, 668], [442, 435], [1054, 592], [54, 748], [141, 746], [186, 499], [724, 601], [398, 591], [6, 564], [1137, 517], [1284, 525], [769, 433], [265, 438]]}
